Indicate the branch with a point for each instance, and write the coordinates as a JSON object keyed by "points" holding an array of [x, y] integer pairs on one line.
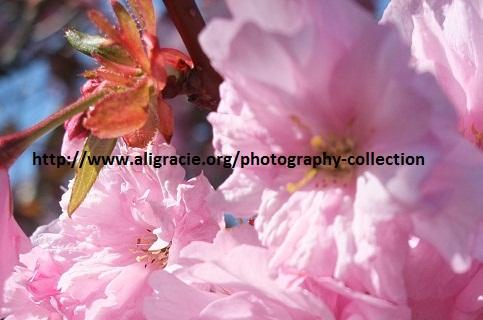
{"points": [[203, 81]]}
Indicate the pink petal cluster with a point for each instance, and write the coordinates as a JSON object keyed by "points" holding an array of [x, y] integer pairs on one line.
{"points": [[444, 36], [228, 279], [95, 265], [12, 240], [444, 40]]}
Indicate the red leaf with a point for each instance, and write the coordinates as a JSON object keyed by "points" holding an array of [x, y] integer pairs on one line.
{"points": [[118, 68], [130, 36], [159, 70], [119, 113], [140, 138], [172, 56], [160, 119], [104, 25], [165, 119], [108, 75], [144, 11]]}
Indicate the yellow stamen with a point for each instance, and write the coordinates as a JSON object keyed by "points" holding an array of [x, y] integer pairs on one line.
{"points": [[299, 123], [330, 146], [318, 143], [309, 175], [478, 136]]}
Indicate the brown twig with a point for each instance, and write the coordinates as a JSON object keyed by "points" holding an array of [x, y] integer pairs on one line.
{"points": [[203, 81]]}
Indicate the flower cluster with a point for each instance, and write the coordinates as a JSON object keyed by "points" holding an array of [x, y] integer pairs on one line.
{"points": [[353, 242]]}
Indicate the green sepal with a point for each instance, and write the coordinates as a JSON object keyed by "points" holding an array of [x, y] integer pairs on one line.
{"points": [[86, 174], [93, 45]]}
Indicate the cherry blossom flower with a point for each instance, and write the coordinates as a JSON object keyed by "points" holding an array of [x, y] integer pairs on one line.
{"points": [[343, 89], [95, 265]]}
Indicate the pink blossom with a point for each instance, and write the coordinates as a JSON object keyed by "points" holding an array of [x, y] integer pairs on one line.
{"points": [[95, 264], [344, 89], [228, 279], [12, 239], [445, 39]]}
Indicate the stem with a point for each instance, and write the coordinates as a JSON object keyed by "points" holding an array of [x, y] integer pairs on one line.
{"points": [[203, 81], [13, 145]]}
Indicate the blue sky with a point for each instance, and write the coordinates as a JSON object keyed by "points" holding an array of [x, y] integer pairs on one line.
{"points": [[36, 95], [381, 4]]}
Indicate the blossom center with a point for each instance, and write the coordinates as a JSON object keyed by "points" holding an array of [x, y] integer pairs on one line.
{"points": [[478, 135], [329, 148], [151, 250]]}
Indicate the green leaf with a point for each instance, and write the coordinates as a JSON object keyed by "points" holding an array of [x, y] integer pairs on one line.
{"points": [[85, 43], [96, 45], [86, 174]]}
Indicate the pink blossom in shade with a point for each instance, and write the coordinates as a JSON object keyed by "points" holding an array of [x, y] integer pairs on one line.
{"points": [[12, 239], [95, 265], [436, 292], [445, 39], [343, 88], [228, 279]]}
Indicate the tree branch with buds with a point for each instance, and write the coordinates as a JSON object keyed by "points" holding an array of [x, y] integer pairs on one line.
{"points": [[203, 81]]}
